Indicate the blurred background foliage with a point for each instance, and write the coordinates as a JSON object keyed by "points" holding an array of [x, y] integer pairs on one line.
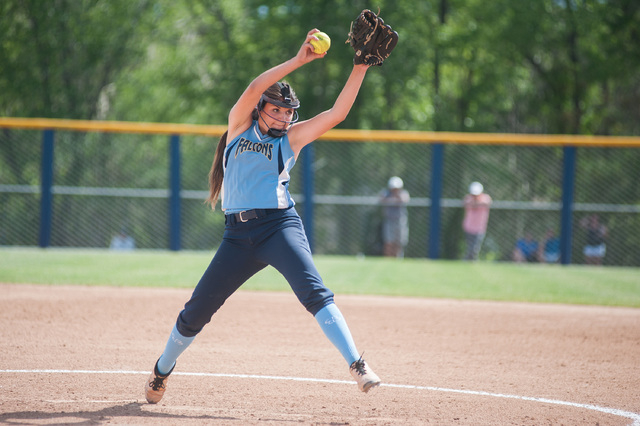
{"points": [[552, 66], [504, 66]]}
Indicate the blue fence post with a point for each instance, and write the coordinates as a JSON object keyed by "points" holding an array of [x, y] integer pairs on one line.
{"points": [[174, 193], [568, 184], [308, 179], [437, 167], [46, 188]]}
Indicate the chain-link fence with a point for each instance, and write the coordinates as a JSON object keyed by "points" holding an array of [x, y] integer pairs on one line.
{"points": [[104, 183]]}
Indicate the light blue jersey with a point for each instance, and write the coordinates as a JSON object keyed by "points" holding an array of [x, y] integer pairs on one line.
{"points": [[256, 172]]}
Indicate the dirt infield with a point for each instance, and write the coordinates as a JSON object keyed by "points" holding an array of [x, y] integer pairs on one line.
{"points": [[81, 355]]}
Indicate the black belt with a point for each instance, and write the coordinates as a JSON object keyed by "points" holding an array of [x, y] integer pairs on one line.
{"points": [[248, 215]]}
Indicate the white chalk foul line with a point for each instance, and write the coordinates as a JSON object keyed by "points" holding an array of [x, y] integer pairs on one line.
{"points": [[635, 417]]}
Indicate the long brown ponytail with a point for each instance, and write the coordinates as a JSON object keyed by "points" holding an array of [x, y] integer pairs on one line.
{"points": [[216, 174]]}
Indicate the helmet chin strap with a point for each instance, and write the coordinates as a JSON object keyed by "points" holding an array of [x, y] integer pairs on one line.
{"points": [[277, 133]]}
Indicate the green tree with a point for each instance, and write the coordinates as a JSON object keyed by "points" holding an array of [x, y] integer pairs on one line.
{"points": [[58, 57]]}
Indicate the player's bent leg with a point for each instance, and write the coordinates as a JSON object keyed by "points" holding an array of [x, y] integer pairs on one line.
{"points": [[287, 250], [228, 270], [295, 262]]}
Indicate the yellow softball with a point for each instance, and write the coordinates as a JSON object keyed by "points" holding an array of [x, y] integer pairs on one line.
{"points": [[322, 44]]}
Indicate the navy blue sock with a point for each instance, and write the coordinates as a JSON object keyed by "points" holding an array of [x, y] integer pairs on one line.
{"points": [[335, 328]]}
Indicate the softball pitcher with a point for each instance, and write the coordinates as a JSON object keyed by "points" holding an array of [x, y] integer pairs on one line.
{"points": [[262, 227]]}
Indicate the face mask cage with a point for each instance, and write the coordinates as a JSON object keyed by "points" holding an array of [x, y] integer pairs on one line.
{"points": [[288, 102]]}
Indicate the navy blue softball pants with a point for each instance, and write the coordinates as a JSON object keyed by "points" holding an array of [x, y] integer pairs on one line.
{"points": [[277, 239]]}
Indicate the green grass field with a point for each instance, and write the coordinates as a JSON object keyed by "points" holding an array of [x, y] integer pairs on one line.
{"points": [[344, 275]]}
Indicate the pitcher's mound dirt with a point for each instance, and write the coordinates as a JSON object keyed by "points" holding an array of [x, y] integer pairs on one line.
{"points": [[81, 355]]}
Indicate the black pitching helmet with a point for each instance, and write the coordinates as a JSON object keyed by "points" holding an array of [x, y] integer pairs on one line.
{"points": [[287, 100]]}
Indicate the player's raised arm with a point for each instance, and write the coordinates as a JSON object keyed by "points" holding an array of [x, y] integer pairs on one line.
{"points": [[240, 114], [307, 131], [372, 40]]}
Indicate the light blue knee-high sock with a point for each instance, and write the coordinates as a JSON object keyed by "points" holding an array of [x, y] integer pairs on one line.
{"points": [[176, 344], [335, 328]]}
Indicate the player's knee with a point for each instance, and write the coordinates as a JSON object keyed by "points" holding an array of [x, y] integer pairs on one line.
{"points": [[314, 306]]}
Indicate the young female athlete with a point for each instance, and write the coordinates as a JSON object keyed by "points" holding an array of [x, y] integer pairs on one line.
{"points": [[254, 157]]}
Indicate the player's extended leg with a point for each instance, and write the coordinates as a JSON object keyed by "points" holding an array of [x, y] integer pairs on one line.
{"points": [[288, 251], [228, 270]]}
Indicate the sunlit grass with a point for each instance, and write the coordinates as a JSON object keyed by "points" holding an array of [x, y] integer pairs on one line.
{"points": [[344, 275]]}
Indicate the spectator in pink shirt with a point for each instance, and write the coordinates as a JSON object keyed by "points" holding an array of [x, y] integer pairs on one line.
{"points": [[476, 217]]}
